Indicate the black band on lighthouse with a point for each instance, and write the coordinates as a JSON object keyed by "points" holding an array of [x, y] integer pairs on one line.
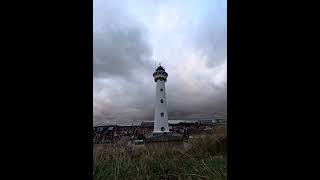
{"points": [[162, 78]]}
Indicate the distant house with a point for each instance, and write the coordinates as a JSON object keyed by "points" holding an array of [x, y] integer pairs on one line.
{"points": [[104, 134], [192, 126], [147, 124], [221, 121], [127, 130], [182, 126], [146, 127], [206, 122]]}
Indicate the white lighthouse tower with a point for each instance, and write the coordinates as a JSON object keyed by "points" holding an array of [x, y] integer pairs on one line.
{"points": [[161, 114]]}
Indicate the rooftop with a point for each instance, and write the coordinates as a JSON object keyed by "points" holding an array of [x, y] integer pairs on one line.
{"points": [[147, 124]]}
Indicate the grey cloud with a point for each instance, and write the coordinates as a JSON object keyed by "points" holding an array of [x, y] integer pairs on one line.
{"points": [[119, 48], [120, 63]]}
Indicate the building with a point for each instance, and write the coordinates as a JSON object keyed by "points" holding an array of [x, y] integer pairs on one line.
{"points": [[127, 130], [146, 127], [104, 134], [221, 121], [206, 122], [161, 114]]}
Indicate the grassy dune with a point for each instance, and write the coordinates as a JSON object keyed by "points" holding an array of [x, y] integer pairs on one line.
{"points": [[206, 159]]}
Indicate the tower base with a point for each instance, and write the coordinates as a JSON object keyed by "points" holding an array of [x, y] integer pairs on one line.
{"points": [[163, 137], [161, 132]]}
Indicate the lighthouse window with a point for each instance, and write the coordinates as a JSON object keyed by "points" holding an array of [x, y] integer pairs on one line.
{"points": [[162, 114], [161, 100], [161, 89]]}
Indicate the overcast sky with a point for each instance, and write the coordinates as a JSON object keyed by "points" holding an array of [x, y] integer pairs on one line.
{"points": [[188, 37]]}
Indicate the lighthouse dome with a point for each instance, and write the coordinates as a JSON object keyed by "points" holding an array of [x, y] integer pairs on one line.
{"points": [[160, 68]]}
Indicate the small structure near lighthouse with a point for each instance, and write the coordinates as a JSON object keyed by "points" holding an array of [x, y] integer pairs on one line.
{"points": [[161, 131]]}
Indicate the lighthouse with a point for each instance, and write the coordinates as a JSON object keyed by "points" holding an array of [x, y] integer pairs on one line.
{"points": [[160, 114]]}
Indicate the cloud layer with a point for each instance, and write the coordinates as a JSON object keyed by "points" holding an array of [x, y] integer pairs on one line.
{"points": [[130, 35]]}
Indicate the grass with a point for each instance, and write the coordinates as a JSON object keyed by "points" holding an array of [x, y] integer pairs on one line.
{"points": [[206, 159]]}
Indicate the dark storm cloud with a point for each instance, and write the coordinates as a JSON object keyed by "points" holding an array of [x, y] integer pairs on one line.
{"points": [[119, 49], [122, 58]]}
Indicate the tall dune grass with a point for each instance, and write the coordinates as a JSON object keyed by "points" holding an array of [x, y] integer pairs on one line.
{"points": [[206, 159]]}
